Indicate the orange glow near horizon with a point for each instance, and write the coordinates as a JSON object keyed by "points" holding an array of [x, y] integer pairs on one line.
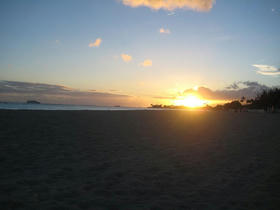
{"points": [[191, 101]]}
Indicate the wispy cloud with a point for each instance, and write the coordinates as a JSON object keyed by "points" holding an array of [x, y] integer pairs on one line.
{"points": [[265, 67], [97, 43], [147, 63], [200, 5], [171, 13], [126, 58], [164, 31], [267, 70], [236, 90]]}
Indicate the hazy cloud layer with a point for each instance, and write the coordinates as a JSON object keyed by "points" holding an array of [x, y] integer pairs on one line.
{"points": [[97, 43], [47, 93], [267, 70], [234, 91], [126, 58], [147, 63], [200, 5], [164, 31]]}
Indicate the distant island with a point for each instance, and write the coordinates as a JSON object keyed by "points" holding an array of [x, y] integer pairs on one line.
{"points": [[32, 102]]}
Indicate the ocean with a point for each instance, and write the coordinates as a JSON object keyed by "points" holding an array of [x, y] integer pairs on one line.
{"points": [[25, 106]]}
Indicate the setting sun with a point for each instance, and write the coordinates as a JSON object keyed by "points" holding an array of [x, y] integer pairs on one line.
{"points": [[191, 101]]}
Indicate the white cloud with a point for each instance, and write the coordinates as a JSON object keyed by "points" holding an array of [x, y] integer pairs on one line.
{"points": [[269, 73], [126, 58], [200, 5], [147, 63], [265, 67], [171, 13], [164, 31], [267, 70], [97, 43]]}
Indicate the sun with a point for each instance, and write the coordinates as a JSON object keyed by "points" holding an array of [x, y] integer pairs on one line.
{"points": [[191, 101]]}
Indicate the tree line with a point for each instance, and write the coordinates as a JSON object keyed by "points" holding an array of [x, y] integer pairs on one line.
{"points": [[268, 100]]}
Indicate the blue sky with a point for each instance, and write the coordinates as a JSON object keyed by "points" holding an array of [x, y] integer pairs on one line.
{"points": [[48, 42]]}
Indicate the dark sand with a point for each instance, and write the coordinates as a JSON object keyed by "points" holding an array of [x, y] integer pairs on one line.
{"points": [[139, 160]]}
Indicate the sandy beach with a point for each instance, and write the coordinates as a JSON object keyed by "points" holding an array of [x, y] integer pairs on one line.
{"points": [[139, 160]]}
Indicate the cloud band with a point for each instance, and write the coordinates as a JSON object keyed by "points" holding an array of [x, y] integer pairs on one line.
{"points": [[200, 5], [267, 70]]}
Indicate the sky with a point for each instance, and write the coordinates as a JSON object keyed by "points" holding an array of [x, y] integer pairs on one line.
{"points": [[137, 52]]}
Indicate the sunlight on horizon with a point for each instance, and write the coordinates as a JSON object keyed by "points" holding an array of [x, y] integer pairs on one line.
{"points": [[190, 100]]}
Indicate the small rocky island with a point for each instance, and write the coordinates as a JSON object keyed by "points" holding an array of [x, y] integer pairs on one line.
{"points": [[32, 102]]}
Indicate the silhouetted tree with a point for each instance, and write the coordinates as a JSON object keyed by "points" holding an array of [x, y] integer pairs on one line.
{"points": [[156, 106], [218, 107], [242, 99], [268, 100], [235, 105], [249, 101]]}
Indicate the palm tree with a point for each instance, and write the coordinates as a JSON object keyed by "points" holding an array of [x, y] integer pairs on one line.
{"points": [[242, 99]]}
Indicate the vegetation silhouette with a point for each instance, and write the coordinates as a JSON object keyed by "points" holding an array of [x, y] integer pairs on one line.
{"points": [[267, 100], [234, 105]]}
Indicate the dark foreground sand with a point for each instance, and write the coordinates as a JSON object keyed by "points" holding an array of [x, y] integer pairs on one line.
{"points": [[139, 160]]}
